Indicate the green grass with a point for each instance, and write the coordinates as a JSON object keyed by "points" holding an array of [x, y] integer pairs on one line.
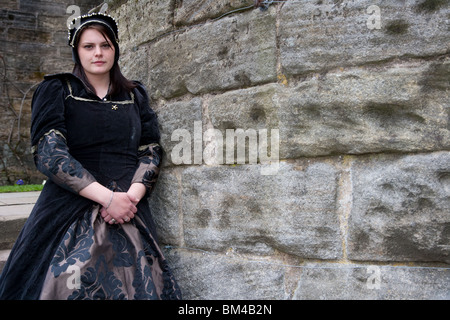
{"points": [[22, 188]]}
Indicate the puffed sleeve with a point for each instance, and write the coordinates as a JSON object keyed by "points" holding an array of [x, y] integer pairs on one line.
{"points": [[47, 109], [150, 151], [48, 137]]}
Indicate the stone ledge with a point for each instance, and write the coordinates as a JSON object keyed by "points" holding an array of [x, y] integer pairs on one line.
{"points": [[4, 254], [14, 210]]}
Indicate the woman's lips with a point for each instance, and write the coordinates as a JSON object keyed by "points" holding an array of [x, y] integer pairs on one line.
{"points": [[100, 63]]}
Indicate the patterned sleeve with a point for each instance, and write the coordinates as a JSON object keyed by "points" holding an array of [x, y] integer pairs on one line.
{"points": [[49, 147], [52, 158], [150, 152], [147, 171]]}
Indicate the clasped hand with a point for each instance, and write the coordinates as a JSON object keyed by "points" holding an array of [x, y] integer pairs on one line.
{"points": [[121, 209]]}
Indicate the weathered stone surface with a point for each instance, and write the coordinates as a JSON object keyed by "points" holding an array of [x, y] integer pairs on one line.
{"points": [[179, 115], [345, 88], [212, 276], [354, 111], [236, 207], [369, 282], [10, 228], [206, 275], [233, 52], [165, 207], [20, 35], [4, 254], [58, 7], [252, 108], [133, 17], [10, 4], [134, 64], [17, 19], [400, 209], [363, 116], [49, 20], [321, 35], [191, 11]]}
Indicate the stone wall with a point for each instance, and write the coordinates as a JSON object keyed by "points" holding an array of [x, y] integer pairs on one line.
{"points": [[33, 37], [357, 206], [358, 91]]}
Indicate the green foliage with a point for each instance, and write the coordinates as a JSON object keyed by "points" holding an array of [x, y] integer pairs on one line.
{"points": [[21, 188]]}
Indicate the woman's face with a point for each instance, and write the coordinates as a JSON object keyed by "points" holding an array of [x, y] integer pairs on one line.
{"points": [[96, 54]]}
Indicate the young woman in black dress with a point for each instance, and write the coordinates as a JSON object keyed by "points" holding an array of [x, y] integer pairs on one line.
{"points": [[90, 235]]}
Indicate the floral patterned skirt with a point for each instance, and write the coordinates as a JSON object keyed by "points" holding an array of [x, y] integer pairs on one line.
{"points": [[96, 260]]}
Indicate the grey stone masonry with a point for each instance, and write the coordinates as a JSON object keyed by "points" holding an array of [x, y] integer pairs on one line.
{"points": [[14, 210], [349, 101], [357, 93]]}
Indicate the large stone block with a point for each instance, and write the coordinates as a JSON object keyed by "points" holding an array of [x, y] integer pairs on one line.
{"points": [[142, 21], [181, 117], [252, 108], [234, 52], [10, 227], [215, 276], [364, 111], [402, 107], [372, 282], [17, 19], [321, 35], [236, 207], [400, 209], [134, 64]]}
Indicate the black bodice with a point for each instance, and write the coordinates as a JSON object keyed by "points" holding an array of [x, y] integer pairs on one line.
{"points": [[103, 135]]}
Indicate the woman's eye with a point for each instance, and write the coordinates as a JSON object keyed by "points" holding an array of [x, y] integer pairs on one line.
{"points": [[106, 45], [88, 46]]}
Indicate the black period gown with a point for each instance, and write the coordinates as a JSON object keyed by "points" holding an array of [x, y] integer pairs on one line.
{"points": [[66, 250]]}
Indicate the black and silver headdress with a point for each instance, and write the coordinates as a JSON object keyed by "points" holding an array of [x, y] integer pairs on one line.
{"points": [[100, 18]]}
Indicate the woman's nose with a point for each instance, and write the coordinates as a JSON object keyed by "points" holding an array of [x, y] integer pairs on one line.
{"points": [[98, 50]]}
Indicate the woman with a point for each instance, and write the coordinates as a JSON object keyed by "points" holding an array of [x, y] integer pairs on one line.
{"points": [[90, 234]]}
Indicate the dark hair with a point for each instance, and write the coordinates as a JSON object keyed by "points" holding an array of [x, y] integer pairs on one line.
{"points": [[119, 83]]}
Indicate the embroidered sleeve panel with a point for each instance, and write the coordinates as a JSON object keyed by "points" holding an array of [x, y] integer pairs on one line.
{"points": [[52, 158], [147, 171]]}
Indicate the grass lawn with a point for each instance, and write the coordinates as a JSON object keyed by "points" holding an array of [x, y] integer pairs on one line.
{"points": [[21, 188]]}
